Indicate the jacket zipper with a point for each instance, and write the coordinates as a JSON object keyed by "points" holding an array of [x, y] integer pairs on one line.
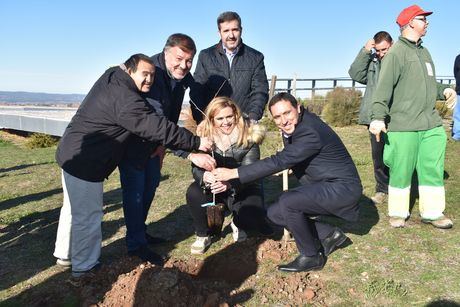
{"points": [[426, 85]]}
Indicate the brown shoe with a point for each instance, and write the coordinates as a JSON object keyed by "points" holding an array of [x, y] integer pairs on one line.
{"points": [[397, 222], [379, 198], [441, 222]]}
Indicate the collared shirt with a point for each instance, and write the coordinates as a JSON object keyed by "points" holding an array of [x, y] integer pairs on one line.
{"points": [[286, 136], [230, 55]]}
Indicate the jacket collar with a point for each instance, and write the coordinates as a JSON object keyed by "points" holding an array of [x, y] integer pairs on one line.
{"points": [[221, 50], [122, 74], [162, 61], [410, 43]]}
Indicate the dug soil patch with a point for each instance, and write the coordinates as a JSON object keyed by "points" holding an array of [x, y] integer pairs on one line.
{"points": [[229, 277]]}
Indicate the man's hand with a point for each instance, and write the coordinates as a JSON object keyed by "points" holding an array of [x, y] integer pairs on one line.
{"points": [[219, 187], [160, 152], [369, 45], [203, 160], [225, 174], [205, 144], [376, 127], [451, 97]]}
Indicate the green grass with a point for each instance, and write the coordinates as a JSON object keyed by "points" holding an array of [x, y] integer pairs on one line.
{"points": [[412, 266]]}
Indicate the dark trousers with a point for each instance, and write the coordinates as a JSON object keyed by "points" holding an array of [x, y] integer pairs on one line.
{"points": [[299, 210], [138, 189], [381, 172], [247, 208]]}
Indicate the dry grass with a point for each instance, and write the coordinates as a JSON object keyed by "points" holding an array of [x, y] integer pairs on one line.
{"points": [[415, 265]]}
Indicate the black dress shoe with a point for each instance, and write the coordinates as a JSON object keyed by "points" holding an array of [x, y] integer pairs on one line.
{"points": [[145, 254], [154, 240], [304, 263], [333, 241]]}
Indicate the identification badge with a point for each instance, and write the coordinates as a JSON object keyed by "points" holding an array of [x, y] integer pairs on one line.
{"points": [[429, 69]]}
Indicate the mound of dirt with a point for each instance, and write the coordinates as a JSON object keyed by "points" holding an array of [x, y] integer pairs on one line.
{"points": [[228, 277]]}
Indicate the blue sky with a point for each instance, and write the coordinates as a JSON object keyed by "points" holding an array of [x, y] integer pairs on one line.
{"points": [[64, 46]]}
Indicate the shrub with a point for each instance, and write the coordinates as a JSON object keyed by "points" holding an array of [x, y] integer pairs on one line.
{"points": [[41, 140], [342, 107], [443, 111], [268, 122], [315, 104], [187, 119]]}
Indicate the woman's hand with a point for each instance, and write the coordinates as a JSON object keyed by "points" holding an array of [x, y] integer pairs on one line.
{"points": [[220, 186]]}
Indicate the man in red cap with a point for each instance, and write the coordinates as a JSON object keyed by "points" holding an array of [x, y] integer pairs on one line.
{"points": [[403, 104]]}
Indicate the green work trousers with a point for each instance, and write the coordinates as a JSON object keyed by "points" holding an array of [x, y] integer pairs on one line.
{"points": [[424, 152]]}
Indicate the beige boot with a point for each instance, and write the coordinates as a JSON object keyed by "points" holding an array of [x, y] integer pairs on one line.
{"points": [[397, 222], [441, 222]]}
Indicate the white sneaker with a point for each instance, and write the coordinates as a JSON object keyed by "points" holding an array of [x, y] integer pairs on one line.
{"points": [[64, 262], [239, 235], [200, 245]]}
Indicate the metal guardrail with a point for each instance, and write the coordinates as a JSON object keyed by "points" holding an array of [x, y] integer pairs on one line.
{"points": [[48, 120], [54, 120], [315, 85]]}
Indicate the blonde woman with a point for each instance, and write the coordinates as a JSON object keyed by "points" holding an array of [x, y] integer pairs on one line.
{"points": [[236, 143]]}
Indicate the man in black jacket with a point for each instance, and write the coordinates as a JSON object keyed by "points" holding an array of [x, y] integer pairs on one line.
{"points": [[232, 69], [93, 145], [142, 161], [329, 182]]}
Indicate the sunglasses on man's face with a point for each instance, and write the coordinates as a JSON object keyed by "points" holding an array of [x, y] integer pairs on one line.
{"points": [[423, 19]]}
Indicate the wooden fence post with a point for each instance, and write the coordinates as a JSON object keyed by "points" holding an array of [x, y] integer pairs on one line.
{"points": [[271, 92], [313, 86]]}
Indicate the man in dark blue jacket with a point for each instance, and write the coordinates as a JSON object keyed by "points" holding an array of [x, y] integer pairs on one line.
{"points": [[142, 161], [329, 182], [92, 147], [456, 114], [233, 69]]}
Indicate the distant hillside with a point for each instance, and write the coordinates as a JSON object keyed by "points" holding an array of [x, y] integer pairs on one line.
{"points": [[39, 98]]}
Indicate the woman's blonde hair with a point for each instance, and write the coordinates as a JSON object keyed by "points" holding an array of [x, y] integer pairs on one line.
{"points": [[219, 103]]}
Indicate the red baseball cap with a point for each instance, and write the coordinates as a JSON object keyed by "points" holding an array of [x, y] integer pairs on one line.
{"points": [[410, 12]]}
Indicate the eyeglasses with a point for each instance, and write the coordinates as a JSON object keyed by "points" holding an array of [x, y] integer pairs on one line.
{"points": [[423, 19]]}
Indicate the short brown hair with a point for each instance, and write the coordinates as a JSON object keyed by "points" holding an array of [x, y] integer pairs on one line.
{"points": [[184, 42], [133, 61], [228, 16], [382, 36], [282, 96]]}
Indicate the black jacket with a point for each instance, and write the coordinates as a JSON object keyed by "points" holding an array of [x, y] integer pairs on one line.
{"points": [[315, 154], [113, 110], [245, 82], [232, 158], [166, 96]]}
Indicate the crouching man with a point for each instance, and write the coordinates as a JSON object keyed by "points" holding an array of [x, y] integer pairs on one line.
{"points": [[92, 147], [329, 182]]}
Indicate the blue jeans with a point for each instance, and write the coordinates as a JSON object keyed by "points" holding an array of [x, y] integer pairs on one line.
{"points": [[456, 119], [139, 186]]}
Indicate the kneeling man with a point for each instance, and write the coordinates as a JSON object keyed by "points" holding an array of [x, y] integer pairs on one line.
{"points": [[329, 182]]}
